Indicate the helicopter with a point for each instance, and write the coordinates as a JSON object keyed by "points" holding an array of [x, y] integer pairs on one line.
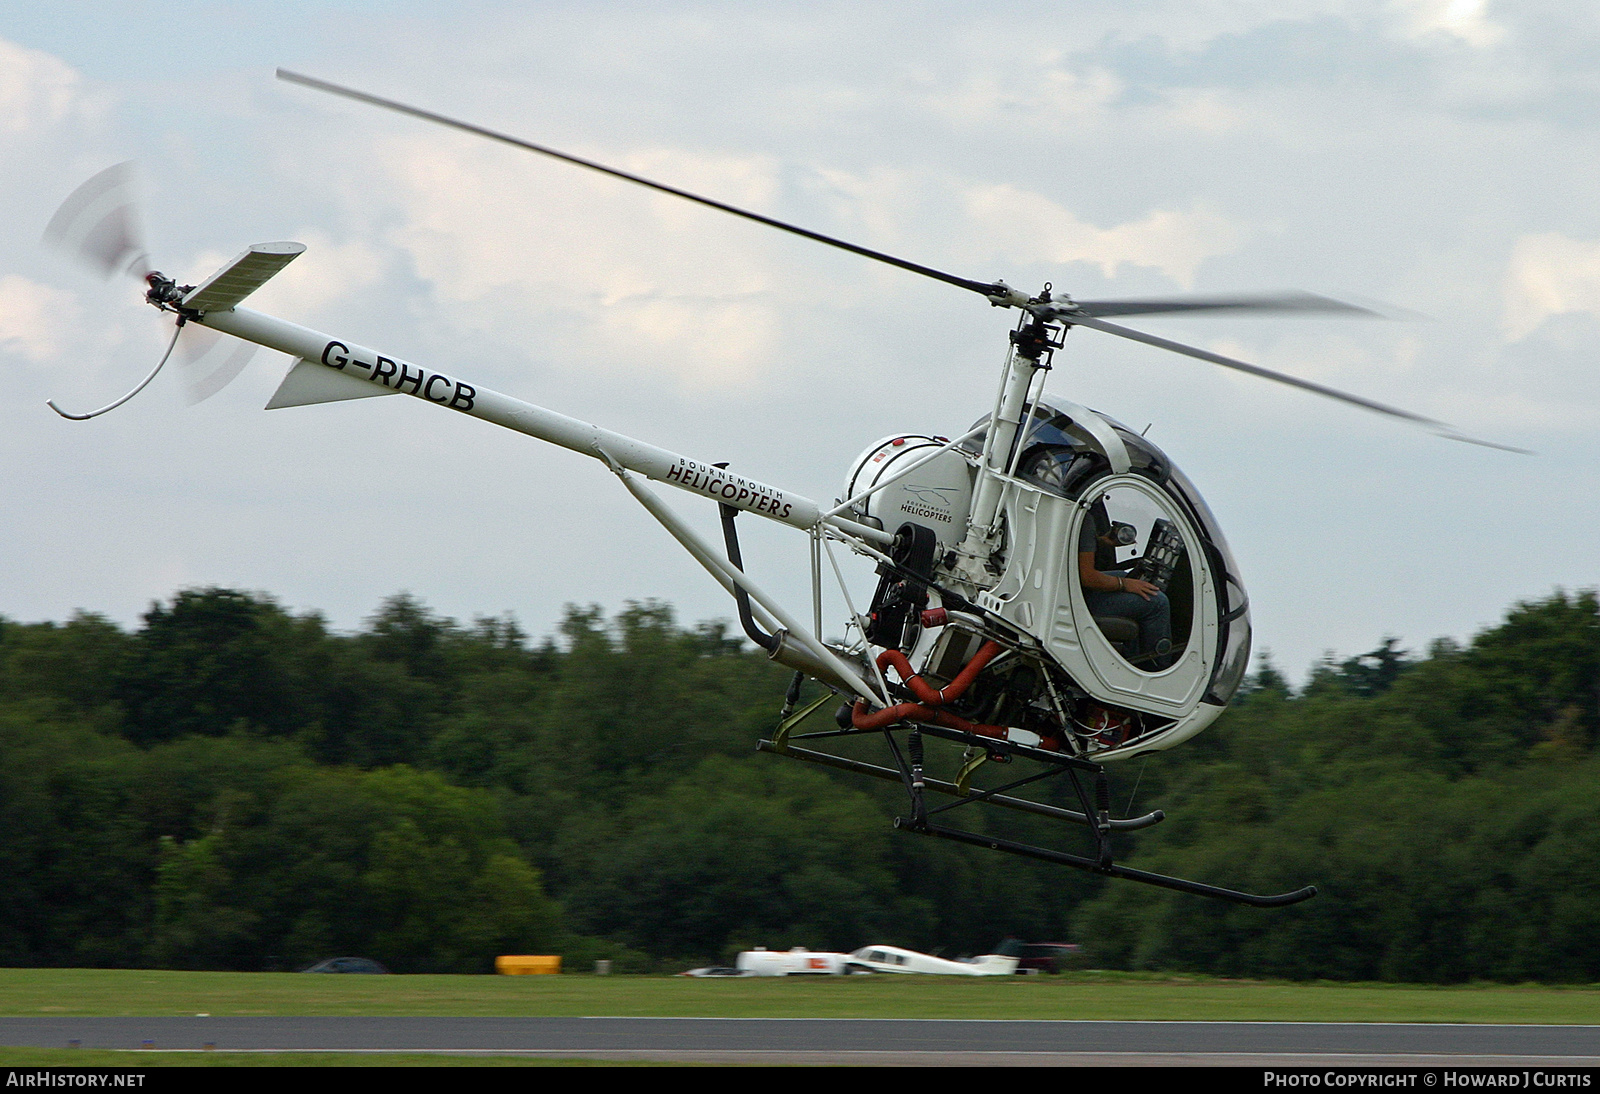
{"points": [[1051, 588]]}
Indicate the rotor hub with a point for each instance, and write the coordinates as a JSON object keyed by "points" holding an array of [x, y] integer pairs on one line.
{"points": [[164, 292]]}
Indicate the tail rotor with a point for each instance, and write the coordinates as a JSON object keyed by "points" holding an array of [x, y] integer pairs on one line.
{"points": [[101, 227]]}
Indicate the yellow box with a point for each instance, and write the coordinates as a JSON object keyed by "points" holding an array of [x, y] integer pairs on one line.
{"points": [[527, 964]]}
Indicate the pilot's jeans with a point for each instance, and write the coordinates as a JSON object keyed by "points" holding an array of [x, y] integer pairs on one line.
{"points": [[1154, 616]]}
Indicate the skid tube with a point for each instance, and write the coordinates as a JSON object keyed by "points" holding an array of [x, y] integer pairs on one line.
{"points": [[1182, 885]]}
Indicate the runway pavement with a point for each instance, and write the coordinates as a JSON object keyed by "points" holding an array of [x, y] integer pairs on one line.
{"points": [[858, 1041]]}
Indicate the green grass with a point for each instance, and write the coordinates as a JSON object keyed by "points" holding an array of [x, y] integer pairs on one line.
{"points": [[42, 992], [141, 1060]]}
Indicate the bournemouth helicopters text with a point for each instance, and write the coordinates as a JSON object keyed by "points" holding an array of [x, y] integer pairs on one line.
{"points": [[1051, 589]]}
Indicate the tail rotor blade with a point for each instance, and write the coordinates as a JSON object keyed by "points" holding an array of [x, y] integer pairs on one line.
{"points": [[99, 224], [211, 361]]}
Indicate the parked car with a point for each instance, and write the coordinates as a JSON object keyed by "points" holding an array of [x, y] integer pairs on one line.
{"points": [[1036, 957], [348, 964]]}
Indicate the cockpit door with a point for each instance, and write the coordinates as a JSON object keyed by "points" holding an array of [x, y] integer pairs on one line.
{"points": [[1163, 547], [1040, 591]]}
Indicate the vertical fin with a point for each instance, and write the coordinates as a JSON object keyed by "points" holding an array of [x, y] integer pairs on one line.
{"points": [[309, 382]]}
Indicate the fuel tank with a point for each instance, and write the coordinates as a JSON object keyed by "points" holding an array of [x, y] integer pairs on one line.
{"points": [[937, 494]]}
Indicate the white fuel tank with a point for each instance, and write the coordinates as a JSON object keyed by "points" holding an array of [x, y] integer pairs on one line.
{"points": [[796, 962], [937, 494]]}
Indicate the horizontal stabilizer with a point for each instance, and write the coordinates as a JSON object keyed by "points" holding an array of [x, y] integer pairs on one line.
{"points": [[243, 276], [308, 382]]}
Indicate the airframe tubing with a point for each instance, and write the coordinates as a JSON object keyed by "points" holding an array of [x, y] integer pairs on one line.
{"points": [[658, 464], [704, 555], [1182, 885], [764, 617]]}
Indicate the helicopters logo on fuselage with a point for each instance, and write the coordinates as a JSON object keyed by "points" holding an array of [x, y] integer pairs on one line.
{"points": [[735, 490], [928, 501]]}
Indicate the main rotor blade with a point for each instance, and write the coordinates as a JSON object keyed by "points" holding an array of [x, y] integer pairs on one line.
{"points": [[1438, 427], [979, 287], [1301, 302]]}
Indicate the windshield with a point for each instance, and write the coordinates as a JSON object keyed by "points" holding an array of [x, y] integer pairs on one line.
{"points": [[1233, 603], [1056, 455]]}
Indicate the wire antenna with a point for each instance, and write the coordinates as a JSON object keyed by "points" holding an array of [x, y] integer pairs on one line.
{"points": [[141, 385]]}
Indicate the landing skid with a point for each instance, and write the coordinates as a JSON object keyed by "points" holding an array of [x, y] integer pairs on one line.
{"points": [[1095, 814], [1182, 885]]}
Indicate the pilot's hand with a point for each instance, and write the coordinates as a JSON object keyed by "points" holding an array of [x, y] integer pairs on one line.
{"points": [[1141, 588]]}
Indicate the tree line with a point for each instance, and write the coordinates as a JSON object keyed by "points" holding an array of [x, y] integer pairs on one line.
{"points": [[232, 785]]}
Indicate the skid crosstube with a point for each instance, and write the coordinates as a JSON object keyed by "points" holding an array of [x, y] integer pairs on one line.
{"points": [[939, 786]]}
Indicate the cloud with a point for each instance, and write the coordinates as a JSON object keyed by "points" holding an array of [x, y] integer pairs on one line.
{"points": [[1029, 227], [1406, 150], [479, 222], [1466, 20], [32, 317], [1048, 96], [1549, 274], [656, 278], [37, 91]]}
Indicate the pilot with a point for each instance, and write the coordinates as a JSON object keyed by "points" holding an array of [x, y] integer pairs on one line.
{"points": [[1114, 593]]}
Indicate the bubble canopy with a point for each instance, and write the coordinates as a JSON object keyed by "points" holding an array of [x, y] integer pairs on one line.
{"points": [[1067, 455]]}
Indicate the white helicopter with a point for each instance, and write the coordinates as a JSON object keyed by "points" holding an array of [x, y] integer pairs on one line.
{"points": [[1052, 588]]}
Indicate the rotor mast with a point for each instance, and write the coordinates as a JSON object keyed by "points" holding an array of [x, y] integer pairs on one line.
{"points": [[1033, 342]]}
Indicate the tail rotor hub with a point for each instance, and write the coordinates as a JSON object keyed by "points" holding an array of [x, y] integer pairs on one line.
{"points": [[164, 292]]}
